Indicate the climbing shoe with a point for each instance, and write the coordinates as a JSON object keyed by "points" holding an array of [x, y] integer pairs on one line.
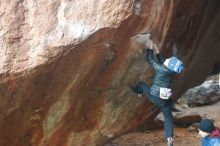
{"points": [[170, 141]]}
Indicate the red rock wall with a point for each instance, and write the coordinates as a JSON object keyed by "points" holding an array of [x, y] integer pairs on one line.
{"points": [[66, 66]]}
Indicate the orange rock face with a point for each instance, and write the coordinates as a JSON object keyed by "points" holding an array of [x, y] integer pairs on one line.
{"points": [[66, 66]]}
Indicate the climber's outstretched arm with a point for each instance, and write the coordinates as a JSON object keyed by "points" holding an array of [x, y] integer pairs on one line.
{"points": [[159, 55], [149, 52]]}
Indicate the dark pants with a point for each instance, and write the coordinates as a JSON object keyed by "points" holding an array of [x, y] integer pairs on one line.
{"points": [[165, 106]]}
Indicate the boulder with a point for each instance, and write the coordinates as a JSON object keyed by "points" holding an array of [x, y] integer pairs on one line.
{"points": [[204, 94]]}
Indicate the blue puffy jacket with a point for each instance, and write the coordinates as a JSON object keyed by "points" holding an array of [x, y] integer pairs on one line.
{"points": [[162, 76], [213, 139], [208, 141]]}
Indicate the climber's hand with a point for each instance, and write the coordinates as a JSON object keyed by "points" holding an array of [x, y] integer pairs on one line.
{"points": [[156, 49], [150, 44]]}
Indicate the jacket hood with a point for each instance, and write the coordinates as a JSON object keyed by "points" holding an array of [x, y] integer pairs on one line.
{"points": [[215, 133]]}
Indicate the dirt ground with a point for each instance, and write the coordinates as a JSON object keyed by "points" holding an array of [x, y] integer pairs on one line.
{"points": [[182, 136], [155, 138]]}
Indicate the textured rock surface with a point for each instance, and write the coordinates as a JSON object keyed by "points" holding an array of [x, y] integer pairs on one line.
{"points": [[66, 66], [207, 93]]}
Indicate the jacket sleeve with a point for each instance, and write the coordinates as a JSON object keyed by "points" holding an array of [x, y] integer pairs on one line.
{"points": [[160, 58], [150, 59]]}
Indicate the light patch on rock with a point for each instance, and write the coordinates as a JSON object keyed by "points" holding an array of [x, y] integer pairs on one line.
{"points": [[3, 60], [79, 30], [60, 15], [141, 38], [58, 110], [68, 31], [55, 114], [137, 7], [75, 29], [87, 137], [48, 26], [35, 56], [108, 44], [109, 134]]}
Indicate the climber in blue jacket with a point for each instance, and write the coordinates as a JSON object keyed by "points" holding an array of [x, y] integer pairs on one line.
{"points": [[159, 92], [209, 133]]}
